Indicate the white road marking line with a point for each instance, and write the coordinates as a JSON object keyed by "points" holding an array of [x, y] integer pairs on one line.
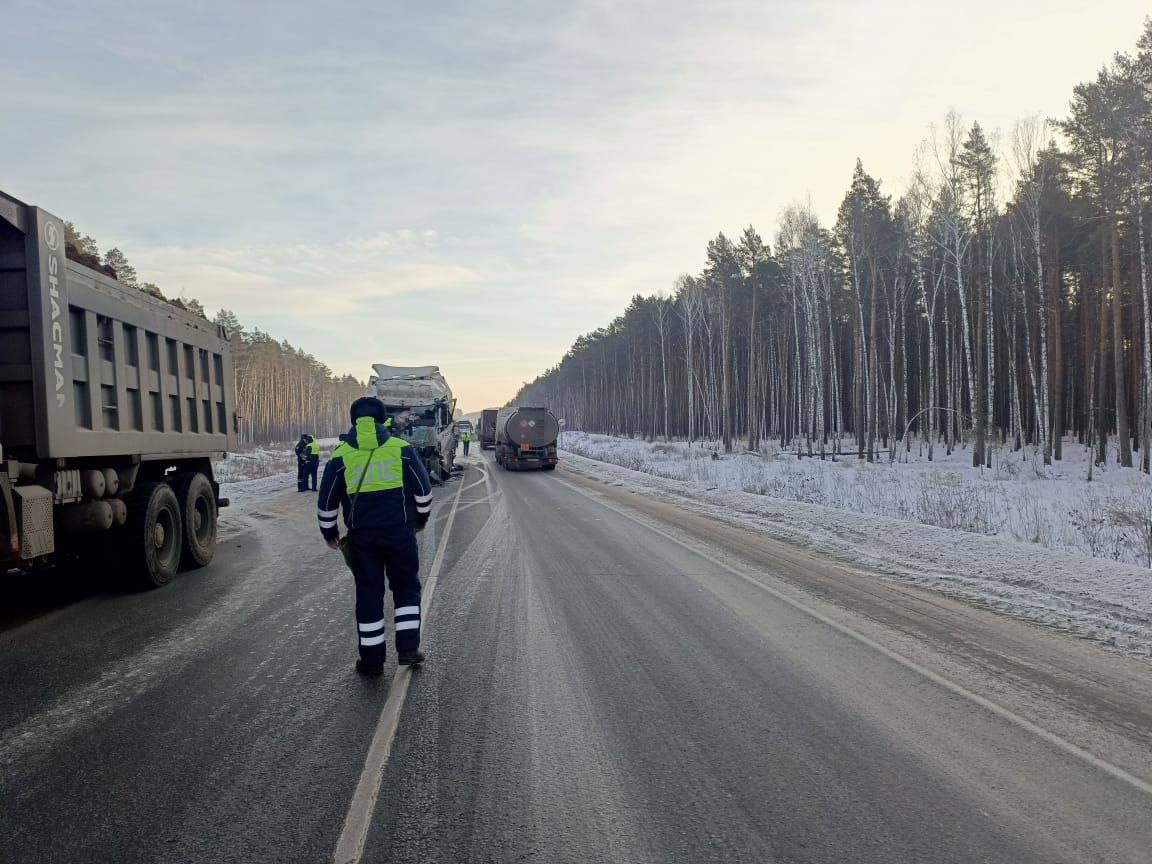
{"points": [[461, 509], [473, 483], [483, 500], [1052, 738], [490, 483], [350, 846]]}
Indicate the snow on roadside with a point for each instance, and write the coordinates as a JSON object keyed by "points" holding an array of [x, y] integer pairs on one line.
{"points": [[1019, 498], [1100, 599], [254, 464], [261, 470], [239, 492]]}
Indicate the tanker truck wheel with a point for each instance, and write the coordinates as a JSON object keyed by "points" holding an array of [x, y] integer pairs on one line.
{"points": [[151, 537], [198, 509]]}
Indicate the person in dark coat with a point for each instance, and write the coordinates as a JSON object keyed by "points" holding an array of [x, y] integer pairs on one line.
{"points": [[380, 484], [313, 462], [303, 453]]}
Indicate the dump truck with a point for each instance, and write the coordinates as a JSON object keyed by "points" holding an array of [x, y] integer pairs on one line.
{"points": [[113, 404], [526, 438], [487, 431], [421, 405]]}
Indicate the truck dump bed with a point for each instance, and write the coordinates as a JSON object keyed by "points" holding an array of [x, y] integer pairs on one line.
{"points": [[90, 367]]}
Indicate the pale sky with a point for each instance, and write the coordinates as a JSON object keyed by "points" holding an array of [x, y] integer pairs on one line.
{"points": [[475, 184]]}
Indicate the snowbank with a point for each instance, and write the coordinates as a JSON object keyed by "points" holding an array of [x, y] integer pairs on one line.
{"points": [[254, 464], [240, 491], [851, 519], [1019, 498], [261, 470]]}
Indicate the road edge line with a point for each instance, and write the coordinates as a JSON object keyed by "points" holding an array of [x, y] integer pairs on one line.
{"points": [[987, 704], [358, 819]]}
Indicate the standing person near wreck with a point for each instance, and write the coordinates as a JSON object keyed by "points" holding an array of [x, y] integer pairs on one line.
{"points": [[384, 491], [312, 463], [307, 462]]}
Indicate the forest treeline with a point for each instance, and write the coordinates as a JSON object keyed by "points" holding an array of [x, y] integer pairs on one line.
{"points": [[281, 391], [1002, 298]]}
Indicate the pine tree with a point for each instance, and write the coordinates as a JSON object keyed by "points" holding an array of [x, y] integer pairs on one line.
{"points": [[118, 261]]}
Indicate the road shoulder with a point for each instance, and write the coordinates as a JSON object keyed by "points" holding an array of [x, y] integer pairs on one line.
{"points": [[1096, 699]]}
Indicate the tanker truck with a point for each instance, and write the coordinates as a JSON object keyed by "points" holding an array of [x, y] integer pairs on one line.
{"points": [[526, 438], [112, 405]]}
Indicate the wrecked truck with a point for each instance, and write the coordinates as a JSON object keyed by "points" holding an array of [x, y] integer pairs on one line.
{"points": [[420, 404]]}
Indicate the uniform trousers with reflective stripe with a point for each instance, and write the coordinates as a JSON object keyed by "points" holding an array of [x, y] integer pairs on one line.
{"points": [[382, 559]]}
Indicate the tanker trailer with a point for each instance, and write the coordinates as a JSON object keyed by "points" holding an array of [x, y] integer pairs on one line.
{"points": [[526, 438]]}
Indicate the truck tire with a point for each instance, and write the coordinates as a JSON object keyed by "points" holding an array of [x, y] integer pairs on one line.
{"points": [[198, 512], [152, 535], [551, 467]]}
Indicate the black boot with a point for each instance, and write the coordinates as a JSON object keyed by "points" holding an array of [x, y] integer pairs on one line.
{"points": [[411, 658], [369, 670]]}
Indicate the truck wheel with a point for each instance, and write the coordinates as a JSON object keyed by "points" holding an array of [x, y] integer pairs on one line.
{"points": [[551, 467], [152, 535], [198, 509]]}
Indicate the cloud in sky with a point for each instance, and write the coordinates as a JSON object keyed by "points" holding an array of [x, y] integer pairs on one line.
{"points": [[476, 184]]}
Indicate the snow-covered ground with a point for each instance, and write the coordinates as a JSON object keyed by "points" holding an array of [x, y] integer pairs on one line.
{"points": [[254, 464], [261, 470], [1030, 539]]}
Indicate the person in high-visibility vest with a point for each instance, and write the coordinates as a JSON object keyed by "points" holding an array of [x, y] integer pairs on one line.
{"points": [[381, 485], [303, 454], [466, 437], [313, 462]]}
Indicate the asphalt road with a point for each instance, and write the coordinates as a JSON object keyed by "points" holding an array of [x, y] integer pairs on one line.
{"points": [[610, 678]]}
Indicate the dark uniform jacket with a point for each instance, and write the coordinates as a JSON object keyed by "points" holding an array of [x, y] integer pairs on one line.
{"points": [[302, 448], [396, 494]]}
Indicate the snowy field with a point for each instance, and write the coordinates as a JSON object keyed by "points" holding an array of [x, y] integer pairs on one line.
{"points": [[261, 470], [1031, 539]]}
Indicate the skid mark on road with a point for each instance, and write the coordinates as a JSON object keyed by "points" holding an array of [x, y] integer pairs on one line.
{"points": [[350, 846], [1051, 738]]}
